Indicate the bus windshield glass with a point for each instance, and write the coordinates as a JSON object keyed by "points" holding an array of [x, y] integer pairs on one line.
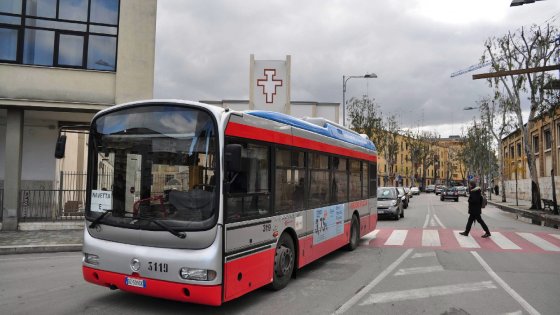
{"points": [[154, 163]]}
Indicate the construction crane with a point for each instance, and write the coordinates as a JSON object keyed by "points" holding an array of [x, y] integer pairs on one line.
{"points": [[471, 68]]}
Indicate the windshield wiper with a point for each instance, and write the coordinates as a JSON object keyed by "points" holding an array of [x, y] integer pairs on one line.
{"points": [[99, 218], [163, 226]]}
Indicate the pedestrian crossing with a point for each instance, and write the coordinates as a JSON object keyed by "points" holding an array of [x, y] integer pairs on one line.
{"points": [[449, 239]]}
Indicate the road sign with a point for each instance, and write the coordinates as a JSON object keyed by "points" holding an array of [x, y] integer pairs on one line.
{"points": [[470, 177]]}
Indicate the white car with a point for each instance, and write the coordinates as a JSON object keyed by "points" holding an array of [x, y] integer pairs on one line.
{"points": [[415, 190]]}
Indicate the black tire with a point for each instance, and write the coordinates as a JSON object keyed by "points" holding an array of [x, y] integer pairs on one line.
{"points": [[354, 234], [402, 214], [457, 200], [441, 199], [284, 262]]}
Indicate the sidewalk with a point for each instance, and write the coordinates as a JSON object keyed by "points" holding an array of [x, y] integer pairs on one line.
{"points": [[538, 217], [41, 241]]}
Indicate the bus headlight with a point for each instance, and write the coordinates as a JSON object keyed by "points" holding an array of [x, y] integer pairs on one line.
{"points": [[91, 259], [393, 203], [197, 274]]}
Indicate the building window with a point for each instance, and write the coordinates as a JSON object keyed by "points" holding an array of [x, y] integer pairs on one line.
{"points": [[547, 140], [519, 149], [558, 135], [61, 33], [536, 144], [511, 151]]}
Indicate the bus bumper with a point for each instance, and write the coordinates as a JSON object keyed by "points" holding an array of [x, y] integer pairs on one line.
{"points": [[208, 295]]}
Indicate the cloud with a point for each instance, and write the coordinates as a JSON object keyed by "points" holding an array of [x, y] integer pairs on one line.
{"points": [[203, 49]]}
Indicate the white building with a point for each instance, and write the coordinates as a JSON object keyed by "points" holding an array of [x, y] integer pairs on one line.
{"points": [[60, 63]]}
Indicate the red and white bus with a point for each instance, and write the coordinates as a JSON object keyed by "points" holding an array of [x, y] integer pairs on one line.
{"points": [[196, 203]]}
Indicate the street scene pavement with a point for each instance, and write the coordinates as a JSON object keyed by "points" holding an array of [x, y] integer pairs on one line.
{"points": [[416, 265]]}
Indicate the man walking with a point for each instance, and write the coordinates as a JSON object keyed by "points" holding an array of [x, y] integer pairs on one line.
{"points": [[475, 209]]}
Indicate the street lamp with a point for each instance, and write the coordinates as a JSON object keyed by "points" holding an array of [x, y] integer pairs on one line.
{"points": [[345, 79]]}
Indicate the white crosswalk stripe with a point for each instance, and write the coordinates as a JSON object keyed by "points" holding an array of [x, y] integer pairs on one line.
{"points": [[502, 241], [397, 237], [465, 241], [542, 243], [430, 238], [368, 237]]}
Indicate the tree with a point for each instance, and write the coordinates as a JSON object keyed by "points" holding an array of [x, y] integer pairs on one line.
{"points": [[476, 153], [421, 154], [497, 116], [365, 117], [526, 49], [390, 145]]}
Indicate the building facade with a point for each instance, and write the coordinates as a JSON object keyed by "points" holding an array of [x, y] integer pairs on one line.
{"points": [[62, 61], [545, 145], [444, 167]]}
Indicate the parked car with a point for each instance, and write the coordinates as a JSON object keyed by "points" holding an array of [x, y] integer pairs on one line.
{"points": [[430, 188], [439, 188], [449, 193], [403, 196], [389, 203], [462, 190], [415, 190]]}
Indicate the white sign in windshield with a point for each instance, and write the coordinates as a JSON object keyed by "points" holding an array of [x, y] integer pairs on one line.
{"points": [[101, 200]]}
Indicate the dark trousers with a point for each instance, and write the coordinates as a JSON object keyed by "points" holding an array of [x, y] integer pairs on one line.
{"points": [[476, 217]]}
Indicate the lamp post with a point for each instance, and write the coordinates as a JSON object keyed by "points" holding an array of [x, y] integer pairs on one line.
{"points": [[345, 79]]}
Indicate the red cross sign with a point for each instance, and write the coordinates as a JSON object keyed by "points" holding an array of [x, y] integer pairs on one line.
{"points": [[269, 84]]}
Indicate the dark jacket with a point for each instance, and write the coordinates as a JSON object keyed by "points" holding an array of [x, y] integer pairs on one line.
{"points": [[475, 201]]}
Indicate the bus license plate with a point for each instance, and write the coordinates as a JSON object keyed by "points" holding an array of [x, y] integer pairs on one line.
{"points": [[140, 283]]}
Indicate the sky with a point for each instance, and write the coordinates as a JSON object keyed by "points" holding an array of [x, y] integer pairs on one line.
{"points": [[413, 46]]}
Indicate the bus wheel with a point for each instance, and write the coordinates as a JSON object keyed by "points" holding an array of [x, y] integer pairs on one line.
{"points": [[354, 234], [284, 261]]}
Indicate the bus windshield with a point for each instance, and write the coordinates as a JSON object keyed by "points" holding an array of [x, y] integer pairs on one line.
{"points": [[154, 163]]}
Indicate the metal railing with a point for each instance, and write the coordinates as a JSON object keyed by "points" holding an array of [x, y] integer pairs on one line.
{"points": [[40, 205]]}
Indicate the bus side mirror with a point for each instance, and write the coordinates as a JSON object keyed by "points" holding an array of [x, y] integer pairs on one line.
{"points": [[232, 158], [60, 147]]}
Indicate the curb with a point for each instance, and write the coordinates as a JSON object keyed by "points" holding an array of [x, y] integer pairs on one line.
{"points": [[530, 216], [29, 249]]}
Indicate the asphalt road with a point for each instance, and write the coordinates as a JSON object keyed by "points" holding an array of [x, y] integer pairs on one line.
{"points": [[417, 265]]}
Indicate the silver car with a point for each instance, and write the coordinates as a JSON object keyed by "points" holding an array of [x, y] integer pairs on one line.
{"points": [[389, 203]]}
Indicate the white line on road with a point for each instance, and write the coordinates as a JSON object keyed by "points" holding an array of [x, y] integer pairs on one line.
{"points": [[346, 306], [368, 237], [432, 222], [555, 235], [502, 241], [427, 220], [505, 286], [425, 254], [423, 293], [513, 313], [466, 241], [397, 237], [544, 244], [430, 238], [438, 221], [418, 270]]}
